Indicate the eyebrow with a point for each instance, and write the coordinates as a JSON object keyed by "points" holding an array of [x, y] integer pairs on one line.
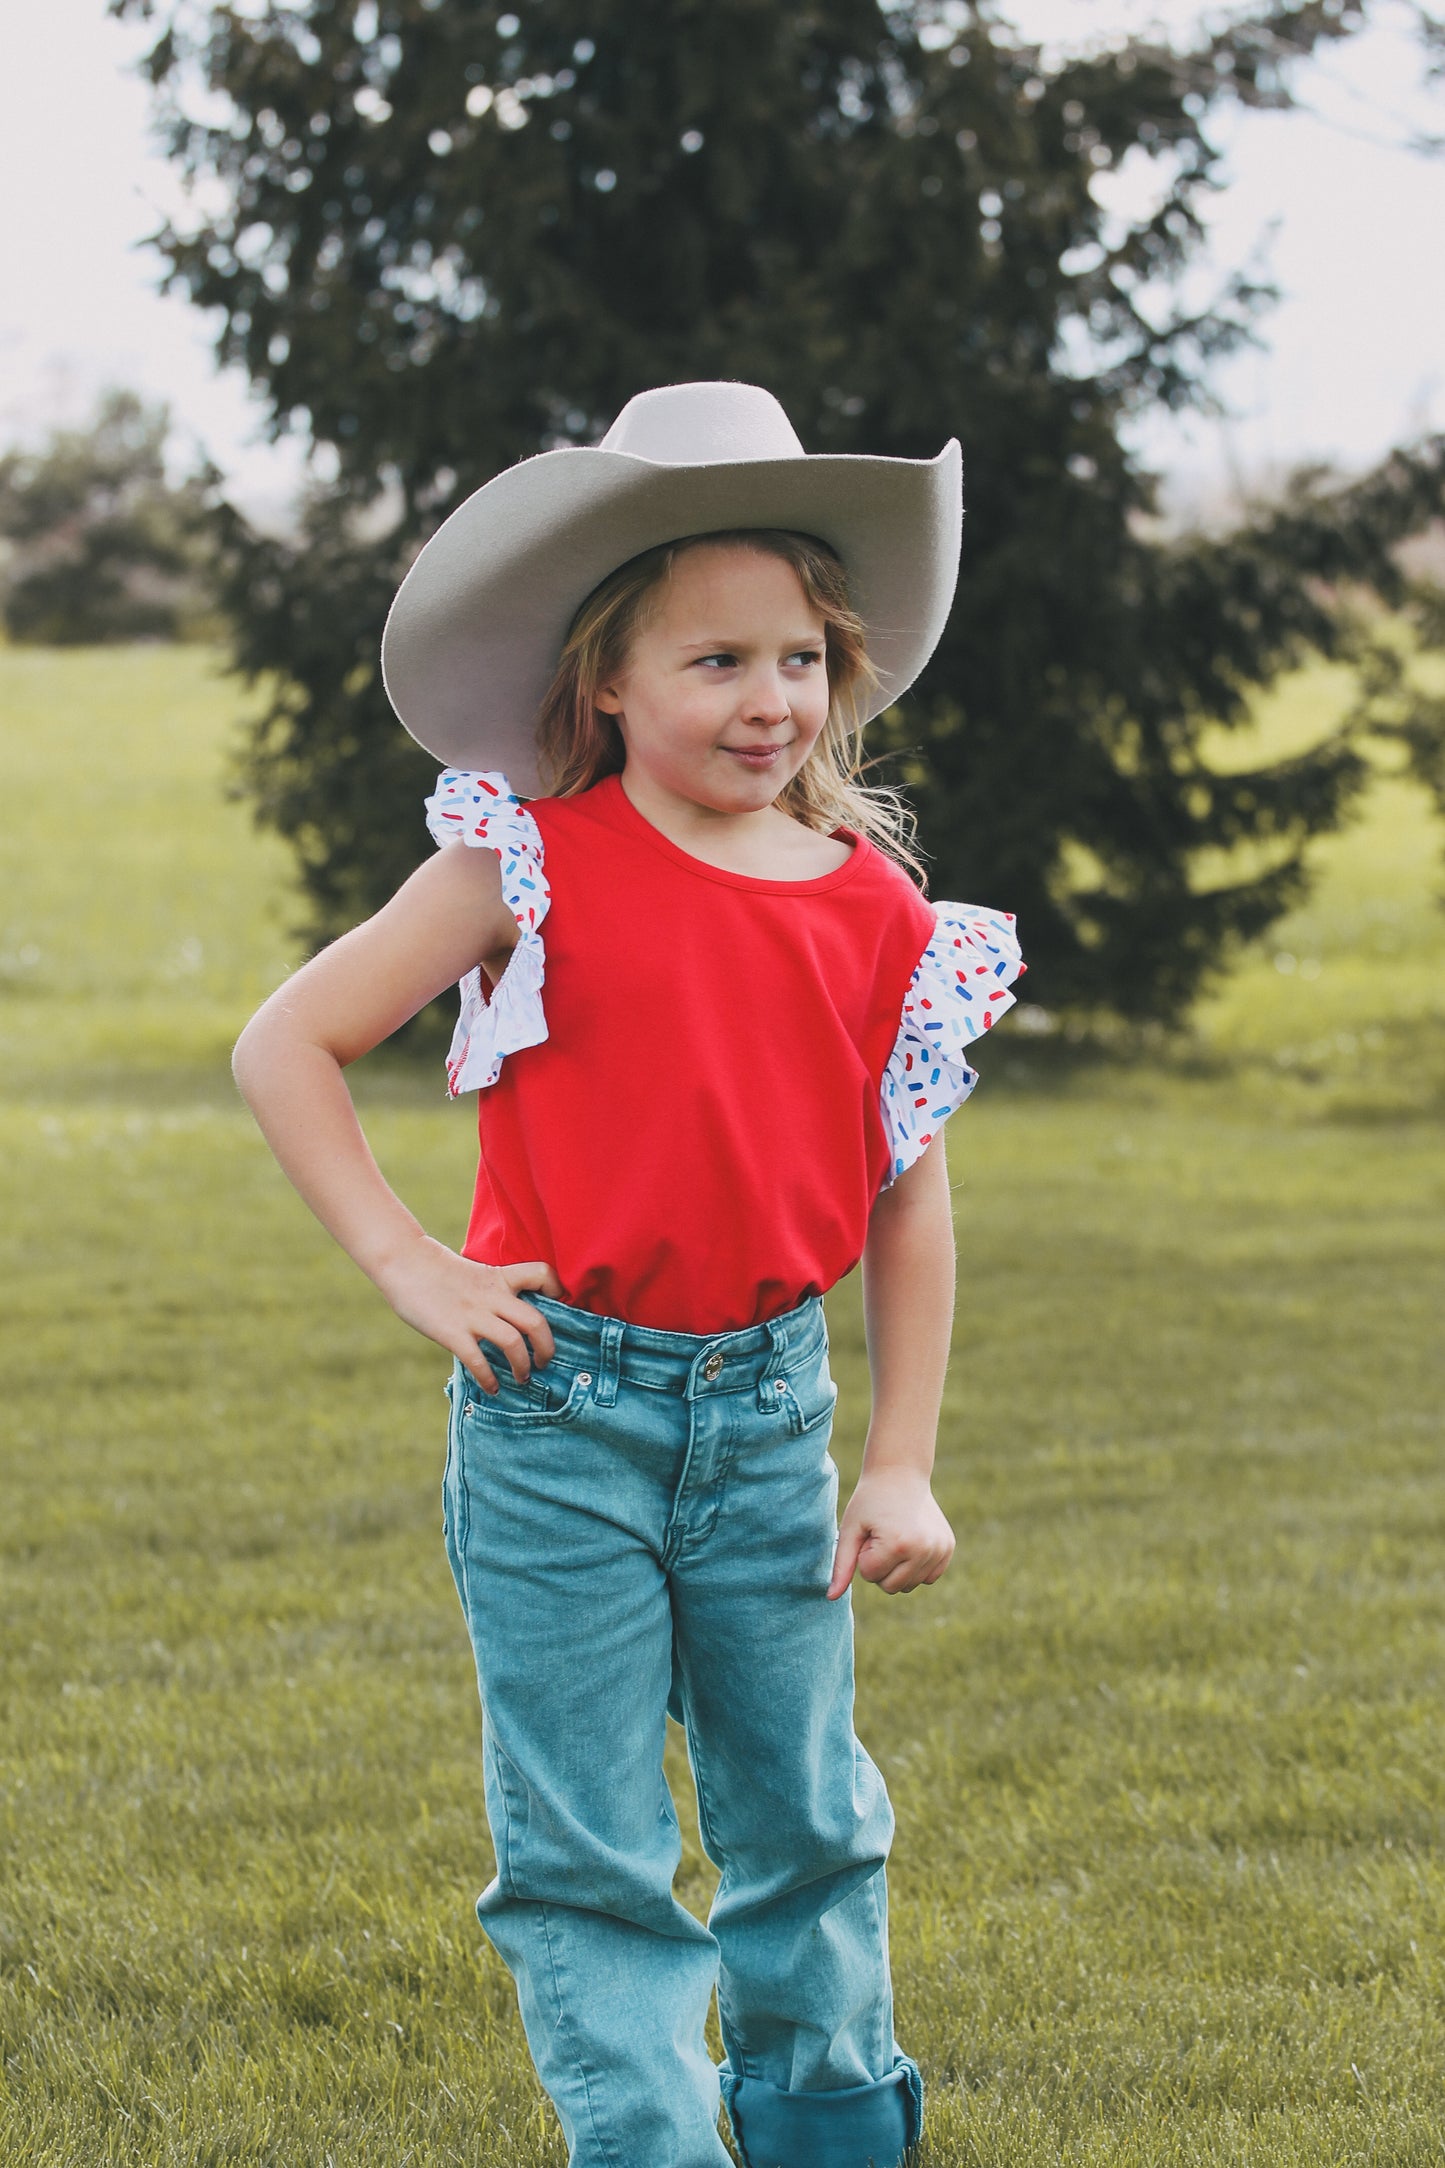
{"points": [[731, 647]]}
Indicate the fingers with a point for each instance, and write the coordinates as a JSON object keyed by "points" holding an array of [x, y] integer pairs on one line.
{"points": [[537, 1275], [850, 1542], [903, 1580], [507, 1337], [891, 1571], [471, 1358], [459, 1302], [895, 1566], [511, 1324], [898, 1569], [520, 1334]]}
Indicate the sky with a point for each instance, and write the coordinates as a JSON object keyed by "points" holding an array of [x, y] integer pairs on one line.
{"points": [[1347, 221]]}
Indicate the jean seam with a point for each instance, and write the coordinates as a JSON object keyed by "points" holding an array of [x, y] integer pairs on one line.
{"points": [[505, 1875], [675, 1534], [564, 2025], [877, 1890], [448, 1469], [693, 1538], [462, 1523], [714, 1853], [704, 1823]]}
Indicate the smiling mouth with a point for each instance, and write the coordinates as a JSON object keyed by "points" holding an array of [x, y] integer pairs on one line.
{"points": [[758, 756]]}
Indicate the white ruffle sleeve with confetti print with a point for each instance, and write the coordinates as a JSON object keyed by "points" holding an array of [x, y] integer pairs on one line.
{"points": [[958, 991], [480, 808], [959, 988]]}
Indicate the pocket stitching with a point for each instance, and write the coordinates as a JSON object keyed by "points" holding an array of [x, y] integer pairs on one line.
{"points": [[812, 1422], [813, 1372], [484, 1408]]}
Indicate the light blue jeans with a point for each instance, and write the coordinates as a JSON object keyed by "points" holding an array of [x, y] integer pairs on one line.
{"points": [[647, 1527]]}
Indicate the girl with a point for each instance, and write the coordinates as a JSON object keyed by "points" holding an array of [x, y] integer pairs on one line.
{"points": [[716, 1031]]}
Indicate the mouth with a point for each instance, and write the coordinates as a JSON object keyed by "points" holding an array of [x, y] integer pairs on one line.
{"points": [[755, 756]]}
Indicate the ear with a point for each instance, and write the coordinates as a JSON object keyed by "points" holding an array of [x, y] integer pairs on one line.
{"points": [[609, 699]]}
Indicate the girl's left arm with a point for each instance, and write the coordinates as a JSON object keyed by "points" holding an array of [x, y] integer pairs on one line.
{"points": [[893, 1531]]}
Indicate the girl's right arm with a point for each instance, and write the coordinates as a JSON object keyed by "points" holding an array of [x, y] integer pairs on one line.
{"points": [[288, 1064]]}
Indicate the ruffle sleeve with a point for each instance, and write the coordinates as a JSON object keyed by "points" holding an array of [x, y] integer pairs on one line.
{"points": [[480, 809], [959, 988]]}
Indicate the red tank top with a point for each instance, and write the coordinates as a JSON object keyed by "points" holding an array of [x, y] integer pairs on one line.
{"points": [[698, 1143]]}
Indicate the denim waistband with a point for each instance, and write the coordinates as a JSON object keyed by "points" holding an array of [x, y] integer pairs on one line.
{"points": [[685, 1363]]}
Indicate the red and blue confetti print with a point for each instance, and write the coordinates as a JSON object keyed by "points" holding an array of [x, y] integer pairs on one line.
{"points": [[958, 990], [480, 808]]}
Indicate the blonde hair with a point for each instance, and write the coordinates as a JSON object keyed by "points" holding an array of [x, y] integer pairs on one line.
{"points": [[578, 743]]}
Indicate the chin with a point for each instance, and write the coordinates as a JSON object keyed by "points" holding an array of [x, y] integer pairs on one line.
{"points": [[761, 790]]}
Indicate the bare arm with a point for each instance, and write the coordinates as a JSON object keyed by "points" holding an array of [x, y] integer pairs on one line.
{"points": [[288, 1064], [893, 1531]]}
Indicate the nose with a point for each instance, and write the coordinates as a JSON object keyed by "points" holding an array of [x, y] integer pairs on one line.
{"points": [[765, 697]]}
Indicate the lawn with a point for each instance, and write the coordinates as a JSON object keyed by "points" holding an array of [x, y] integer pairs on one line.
{"points": [[1165, 1745]]}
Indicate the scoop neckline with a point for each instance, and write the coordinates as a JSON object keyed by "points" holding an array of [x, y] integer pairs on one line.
{"points": [[758, 883]]}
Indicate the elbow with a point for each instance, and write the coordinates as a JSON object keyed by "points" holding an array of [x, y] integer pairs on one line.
{"points": [[244, 1059], [274, 1047], [261, 1050]]}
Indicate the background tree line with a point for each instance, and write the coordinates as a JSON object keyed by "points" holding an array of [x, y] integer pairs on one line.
{"points": [[104, 543], [453, 234]]}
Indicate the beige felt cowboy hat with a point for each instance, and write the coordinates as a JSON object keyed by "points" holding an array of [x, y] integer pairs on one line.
{"points": [[474, 634]]}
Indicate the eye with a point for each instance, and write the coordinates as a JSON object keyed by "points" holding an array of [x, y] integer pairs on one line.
{"points": [[726, 661], [807, 656]]}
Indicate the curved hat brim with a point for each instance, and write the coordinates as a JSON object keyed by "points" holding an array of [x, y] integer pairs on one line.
{"points": [[472, 639]]}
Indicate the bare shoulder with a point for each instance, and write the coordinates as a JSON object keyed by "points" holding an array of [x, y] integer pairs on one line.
{"points": [[444, 920], [470, 889], [458, 870], [454, 899]]}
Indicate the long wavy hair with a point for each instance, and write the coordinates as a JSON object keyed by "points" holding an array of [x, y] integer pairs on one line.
{"points": [[578, 743]]}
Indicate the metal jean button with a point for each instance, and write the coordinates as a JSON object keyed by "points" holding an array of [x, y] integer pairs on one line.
{"points": [[712, 1366]]}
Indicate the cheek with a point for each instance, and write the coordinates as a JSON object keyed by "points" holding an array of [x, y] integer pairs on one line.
{"points": [[692, 706], [676, 719], [810, 709]]}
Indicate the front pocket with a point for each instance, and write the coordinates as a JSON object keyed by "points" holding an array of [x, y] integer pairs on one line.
{"points": [[550, 1395], [811, 1395]]}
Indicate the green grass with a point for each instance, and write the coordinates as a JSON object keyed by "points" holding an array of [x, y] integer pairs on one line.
{"points": [[1165, 1745]]}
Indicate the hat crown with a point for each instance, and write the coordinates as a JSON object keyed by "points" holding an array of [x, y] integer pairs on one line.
{"points": [[690, 425]]}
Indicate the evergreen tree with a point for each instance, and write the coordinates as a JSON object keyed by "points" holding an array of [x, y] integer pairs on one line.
{"points": [[454, 234]]}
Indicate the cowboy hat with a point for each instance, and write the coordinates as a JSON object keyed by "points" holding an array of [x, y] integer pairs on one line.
{"points": [[474, 635]]}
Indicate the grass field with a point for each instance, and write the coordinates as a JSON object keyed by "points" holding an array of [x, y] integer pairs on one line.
{"points": [[1165, 1745]]}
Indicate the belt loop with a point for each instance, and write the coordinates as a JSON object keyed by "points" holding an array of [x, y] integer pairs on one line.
{"points": [[768, 1394], [609, 1361]]}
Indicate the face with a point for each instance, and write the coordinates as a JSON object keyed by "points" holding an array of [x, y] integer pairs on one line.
{"points": [[725, 690]]}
